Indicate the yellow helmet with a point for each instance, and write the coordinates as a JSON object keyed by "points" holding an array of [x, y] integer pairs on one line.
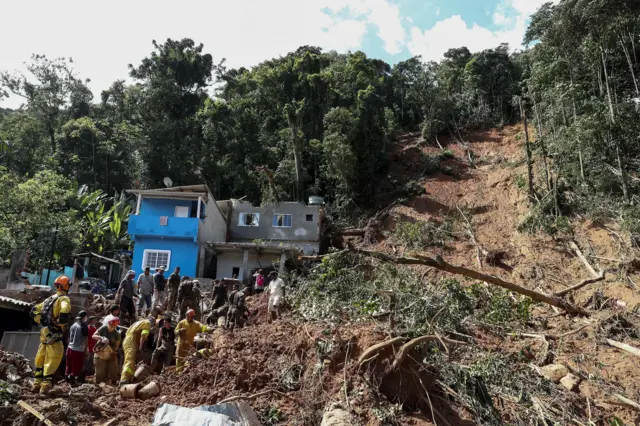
{"points": [[62, 283]]}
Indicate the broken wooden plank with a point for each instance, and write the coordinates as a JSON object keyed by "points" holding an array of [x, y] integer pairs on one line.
{"points": [[35, 412]]}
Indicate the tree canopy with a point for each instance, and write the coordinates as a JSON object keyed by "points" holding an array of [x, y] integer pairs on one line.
{"points": [[317, 123]]}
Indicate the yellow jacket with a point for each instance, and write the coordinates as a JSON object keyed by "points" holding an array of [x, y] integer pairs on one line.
{"points": [[192, 328], [139, 330], [61, 307]]}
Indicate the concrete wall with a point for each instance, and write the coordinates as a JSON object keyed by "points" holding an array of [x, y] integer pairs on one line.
{"points": [[214, 228], [301, 231], [161, 207], [184, 253], [228, 260]]}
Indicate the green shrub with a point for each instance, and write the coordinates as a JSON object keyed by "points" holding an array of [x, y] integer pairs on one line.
{"points": [[419, 235], [446, 154]]}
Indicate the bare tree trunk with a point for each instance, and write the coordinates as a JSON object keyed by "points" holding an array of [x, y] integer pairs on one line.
{"points": [[523, 113], [623, 175], [628, 56], [543, 144], [292, 117]]}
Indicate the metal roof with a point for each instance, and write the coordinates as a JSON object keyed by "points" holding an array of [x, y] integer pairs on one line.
{"points": [[4, 299]]}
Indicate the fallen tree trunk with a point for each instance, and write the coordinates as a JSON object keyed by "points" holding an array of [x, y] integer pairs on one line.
{"points": [[439, 263], [404, 350]]}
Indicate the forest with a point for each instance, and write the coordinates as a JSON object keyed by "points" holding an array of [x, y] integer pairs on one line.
{"points": [[319, 123]]}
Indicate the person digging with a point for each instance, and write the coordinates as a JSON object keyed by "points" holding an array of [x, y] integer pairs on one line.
{"points": [[187, 329], [133, 342], [106, 350], [165, 346]]}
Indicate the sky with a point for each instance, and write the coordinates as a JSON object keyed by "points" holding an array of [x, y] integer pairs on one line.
{"points": [[104, 37]]}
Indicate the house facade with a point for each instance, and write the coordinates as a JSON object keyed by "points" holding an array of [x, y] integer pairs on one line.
{"points": [[263, 237], [172, 226]]}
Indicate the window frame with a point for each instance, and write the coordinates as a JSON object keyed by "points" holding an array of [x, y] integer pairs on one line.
{"points": [[188, 209], [145, 257], [309, 218], [243, 215], [275, 216]]}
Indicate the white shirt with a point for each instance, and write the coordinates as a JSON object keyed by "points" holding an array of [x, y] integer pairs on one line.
{"points": [[276, 287]]}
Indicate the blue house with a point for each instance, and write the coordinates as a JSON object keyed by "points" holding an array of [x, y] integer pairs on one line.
{"points": [[172, 226]]}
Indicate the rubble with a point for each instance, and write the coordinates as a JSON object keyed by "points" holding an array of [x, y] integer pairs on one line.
{"points": [[554, 372], [570, 382]]}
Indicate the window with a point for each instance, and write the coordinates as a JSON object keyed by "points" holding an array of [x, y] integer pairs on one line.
{"points": [[309, 218], [235, 272], [164, 220], [181, 211], [249, 219], [156, 258], [282, 220]]}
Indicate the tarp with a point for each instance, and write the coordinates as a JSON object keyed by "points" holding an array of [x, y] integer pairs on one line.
{"points": [[236, 414]]}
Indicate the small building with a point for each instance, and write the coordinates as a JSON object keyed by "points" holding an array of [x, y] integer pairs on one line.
{"points": [[171, 227], [263, 236]]}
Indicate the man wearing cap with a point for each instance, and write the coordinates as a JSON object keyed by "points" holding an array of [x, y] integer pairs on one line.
{"points": [[165, 346], [145, 290], [78, 347], [159, 288], [125, 294], [174, 283]]}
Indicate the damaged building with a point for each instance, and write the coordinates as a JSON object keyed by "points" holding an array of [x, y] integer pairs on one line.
{"points": [[185, 226]]}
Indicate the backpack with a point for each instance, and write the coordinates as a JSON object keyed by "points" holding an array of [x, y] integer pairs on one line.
{"points": [[46, 316]]}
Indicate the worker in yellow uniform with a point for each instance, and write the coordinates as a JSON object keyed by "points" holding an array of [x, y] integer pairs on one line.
{"points": [[53, 315], [186, 330], [133, 342]]}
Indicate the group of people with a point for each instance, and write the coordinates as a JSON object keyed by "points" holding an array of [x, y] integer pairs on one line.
{"points": [[107, 345]]}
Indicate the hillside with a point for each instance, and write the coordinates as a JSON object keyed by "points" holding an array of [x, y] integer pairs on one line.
{"points": [[300, 367]]}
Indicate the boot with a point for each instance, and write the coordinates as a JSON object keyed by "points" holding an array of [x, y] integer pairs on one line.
{"points": [[45, 388], [35, 388]]}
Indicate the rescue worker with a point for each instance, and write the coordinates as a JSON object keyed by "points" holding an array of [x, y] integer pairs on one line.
{"points": [[165, 346], [125, 294], [174, 283], [237, 308], [53, 316], [133, 342], [187, 329], [106, 360], [189, 297], [159, 288], [219, 295], [276, 295]]}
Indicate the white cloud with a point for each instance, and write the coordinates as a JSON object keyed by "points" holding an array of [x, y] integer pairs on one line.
{"points": [[454, 32], [104, 37], [437, 11], [511, 16]]}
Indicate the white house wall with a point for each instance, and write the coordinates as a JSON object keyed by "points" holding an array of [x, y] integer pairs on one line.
{"points": [[234, 259]]}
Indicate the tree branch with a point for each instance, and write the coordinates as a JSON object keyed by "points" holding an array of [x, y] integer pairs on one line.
{"points": [[439, 263]]}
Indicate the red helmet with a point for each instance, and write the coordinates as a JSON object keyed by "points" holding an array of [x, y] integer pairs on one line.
{"points": [[191, 313], [115, 321], [62, 283]]}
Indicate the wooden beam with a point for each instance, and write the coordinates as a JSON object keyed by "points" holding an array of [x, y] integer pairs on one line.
{"points": [[35, 412]]}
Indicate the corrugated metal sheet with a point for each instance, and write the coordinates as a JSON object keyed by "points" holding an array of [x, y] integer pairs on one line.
{"points": [[14, 301], [23, 342]]}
